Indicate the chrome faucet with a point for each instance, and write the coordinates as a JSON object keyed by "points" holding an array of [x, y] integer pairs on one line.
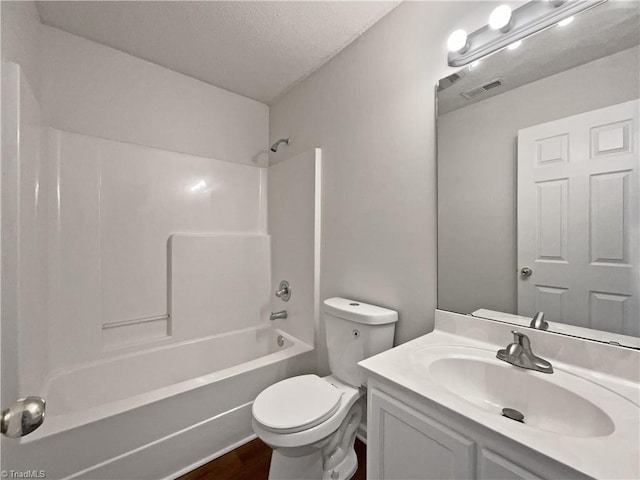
{"points": [[519, 353], [278, 315], [538, 322]]}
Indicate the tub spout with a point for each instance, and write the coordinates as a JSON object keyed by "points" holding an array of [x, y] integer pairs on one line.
{"points": [[277, 315]]}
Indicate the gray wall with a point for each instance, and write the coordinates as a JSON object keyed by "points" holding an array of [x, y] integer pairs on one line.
{"points": [[371, 110], [477, 176], [21, 39], [99, 91]]}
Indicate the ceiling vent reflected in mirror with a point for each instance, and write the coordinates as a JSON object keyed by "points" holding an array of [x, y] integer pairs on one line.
{"points": [[474, 92], [450, 80]]}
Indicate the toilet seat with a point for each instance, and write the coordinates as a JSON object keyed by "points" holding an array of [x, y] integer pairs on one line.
{"points": [[296, 404], [348, 396]]}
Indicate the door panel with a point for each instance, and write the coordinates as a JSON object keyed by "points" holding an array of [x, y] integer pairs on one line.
{"points": [[552, 300], [551, 227], [578, 218], [609, 213]]}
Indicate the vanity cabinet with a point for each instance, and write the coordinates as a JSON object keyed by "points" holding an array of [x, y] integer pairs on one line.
{"points": [[404, 443], [409, 438]]}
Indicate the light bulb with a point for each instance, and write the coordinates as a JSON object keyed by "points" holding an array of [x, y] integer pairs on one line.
{"points": [[457, 41], [565, 22], [500, 18], [515, 45]]}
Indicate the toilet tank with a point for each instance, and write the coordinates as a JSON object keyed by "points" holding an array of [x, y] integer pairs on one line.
{"points": [[355, 331]]}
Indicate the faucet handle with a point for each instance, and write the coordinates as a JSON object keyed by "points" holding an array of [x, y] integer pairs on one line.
{"points": [[519, 354], [513, 350], [517, 336], [284, 291], [521, 339], [539, 322]]}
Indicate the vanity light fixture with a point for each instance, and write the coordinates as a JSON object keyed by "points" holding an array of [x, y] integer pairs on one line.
{"points": [[457, 41], [507, 27], [501, 18]]}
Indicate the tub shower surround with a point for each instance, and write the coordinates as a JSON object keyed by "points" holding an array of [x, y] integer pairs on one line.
{"points": [[183, 314], [158, 293], [118, 205]]}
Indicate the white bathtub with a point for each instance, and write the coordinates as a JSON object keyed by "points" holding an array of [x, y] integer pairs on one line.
{"points": [[161, 412]]}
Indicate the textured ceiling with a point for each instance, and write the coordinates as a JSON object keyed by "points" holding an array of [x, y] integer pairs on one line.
{"points": [[258, 49], [604, 30]]}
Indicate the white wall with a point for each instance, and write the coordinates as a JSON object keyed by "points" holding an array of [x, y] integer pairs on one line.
{"points": [[294, 208], [371, 110], [99, 91], [118, 205], [21, 39], [477, 159]]}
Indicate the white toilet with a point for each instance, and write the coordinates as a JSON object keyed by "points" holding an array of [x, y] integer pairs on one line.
{"points": [[311, 422]]}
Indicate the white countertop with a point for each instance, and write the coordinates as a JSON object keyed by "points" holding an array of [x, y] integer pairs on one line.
{"points": [[612, 456]]}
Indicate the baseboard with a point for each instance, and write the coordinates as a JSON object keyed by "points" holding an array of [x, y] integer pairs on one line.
{"points": [[361, 433]]}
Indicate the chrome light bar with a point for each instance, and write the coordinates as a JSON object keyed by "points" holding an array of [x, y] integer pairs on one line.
{"points": [[509, 27]]}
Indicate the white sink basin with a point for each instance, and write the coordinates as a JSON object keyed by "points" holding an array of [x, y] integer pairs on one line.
{"points": [[558, 403], [585, 415]]}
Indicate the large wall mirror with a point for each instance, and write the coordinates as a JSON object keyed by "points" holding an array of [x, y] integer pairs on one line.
{"points": [[538, 179]]}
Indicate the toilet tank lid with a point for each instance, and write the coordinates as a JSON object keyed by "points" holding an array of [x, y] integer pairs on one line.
{"points": [[359, 312]]}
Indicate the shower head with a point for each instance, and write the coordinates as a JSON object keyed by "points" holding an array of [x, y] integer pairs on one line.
{"points": [[274, 147]]}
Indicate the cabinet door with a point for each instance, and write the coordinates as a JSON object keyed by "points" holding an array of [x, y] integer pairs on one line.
{"points": [[404, 444], [492, 466]]}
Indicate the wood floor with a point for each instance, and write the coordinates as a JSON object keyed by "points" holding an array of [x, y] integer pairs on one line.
{"points": [[251, 462]]}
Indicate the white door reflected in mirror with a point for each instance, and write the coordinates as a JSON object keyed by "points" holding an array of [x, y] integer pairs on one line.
{"points": [[577, 205], [538, 202]]}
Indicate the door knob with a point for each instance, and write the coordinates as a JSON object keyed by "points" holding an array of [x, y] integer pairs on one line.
{"points": [[526, 272], [23, 417]]}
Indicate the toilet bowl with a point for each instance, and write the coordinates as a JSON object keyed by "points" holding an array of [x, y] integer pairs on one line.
{"points": [[311, 417], [311, 422]]}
